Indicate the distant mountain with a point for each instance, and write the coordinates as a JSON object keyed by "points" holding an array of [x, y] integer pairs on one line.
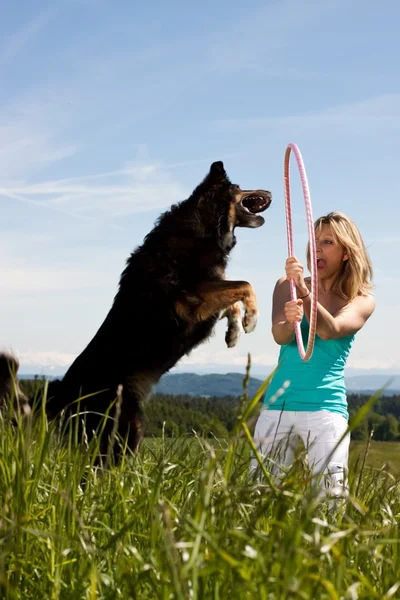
{"points": [[373, 382], [214, 384], [231, 384], [29, 376]]}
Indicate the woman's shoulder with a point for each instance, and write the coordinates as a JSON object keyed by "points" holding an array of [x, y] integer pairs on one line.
{"points": [[282, 285], [281, 281], [281, 290], [362, 305], [365, 303]]}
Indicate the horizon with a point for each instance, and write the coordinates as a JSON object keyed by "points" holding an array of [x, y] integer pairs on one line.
{"points": [[105, 129], [357, 381], [222, 370]]}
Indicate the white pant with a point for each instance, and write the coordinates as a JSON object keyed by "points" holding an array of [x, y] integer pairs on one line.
{"points": [[276, 436]]}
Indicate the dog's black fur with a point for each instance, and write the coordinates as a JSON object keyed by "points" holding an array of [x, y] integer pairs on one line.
{"points": [[9, 387], [170, 296]]}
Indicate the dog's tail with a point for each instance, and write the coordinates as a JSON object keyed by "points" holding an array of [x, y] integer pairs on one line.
{"points": [[9, 386]]}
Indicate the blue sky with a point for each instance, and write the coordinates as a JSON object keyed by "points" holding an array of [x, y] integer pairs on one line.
{"points": [[110, 112]]}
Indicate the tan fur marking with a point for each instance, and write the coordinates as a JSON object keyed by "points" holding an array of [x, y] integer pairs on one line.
{"points": [[214, 297], [232, 216], [214, 301], [232, 312], [182, 310]]}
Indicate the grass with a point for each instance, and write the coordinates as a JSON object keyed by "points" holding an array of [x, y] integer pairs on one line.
{"points": [[381, 455], [182, 519]]}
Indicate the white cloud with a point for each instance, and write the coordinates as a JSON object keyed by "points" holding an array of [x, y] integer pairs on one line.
{"points": [[234, 357], [374, 363], [52, 360], [48, 361], [14, 44], [378, 113], [132, 189], [255, 43], [42, 125], [29, 143], [31, 280]]}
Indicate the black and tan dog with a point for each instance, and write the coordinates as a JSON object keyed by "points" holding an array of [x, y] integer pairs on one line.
{"points": [[171, 294]]}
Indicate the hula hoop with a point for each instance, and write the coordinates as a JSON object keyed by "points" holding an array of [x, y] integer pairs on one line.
{"points": [[304, 354]]}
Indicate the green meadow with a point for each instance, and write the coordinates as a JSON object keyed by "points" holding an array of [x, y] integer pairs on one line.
{"points": [[184, 519]]}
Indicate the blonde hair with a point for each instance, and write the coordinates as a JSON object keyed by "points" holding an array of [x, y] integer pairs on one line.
{"points": [[356, 273]]}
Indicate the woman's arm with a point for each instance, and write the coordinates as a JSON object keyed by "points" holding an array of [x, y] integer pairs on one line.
{"points": [[284, 313], [346, 321]]}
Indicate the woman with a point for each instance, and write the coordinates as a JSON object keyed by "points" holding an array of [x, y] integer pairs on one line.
{"points": [[308, 399]]}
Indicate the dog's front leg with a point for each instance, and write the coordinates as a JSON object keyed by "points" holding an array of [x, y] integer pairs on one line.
{"points": [[233, 314], [212, 297]]}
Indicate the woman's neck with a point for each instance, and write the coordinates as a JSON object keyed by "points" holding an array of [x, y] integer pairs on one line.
{"points": [[327, 285]]}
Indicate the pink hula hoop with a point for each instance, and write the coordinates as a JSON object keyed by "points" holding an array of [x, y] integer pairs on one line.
{"points": [[304, 354]]}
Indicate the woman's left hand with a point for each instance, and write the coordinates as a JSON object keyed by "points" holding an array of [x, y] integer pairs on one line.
{"points": [[295, 271]]}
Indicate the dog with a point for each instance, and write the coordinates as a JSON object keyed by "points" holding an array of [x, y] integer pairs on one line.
{"points": [[9, 388], [170, 296]]}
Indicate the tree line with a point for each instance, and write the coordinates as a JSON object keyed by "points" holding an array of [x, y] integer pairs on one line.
{"points": [[217, 416], [173, 415]]}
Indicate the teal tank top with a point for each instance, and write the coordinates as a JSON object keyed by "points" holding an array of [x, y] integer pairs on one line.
{"points": [[314, 385]]}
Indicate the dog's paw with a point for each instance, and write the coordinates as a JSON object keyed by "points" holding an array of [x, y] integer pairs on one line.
{"points": [[250, 320], [233, 334]]}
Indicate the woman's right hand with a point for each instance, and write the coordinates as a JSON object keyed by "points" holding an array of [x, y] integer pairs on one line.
{"points": [[295, 271], [294, 311]]}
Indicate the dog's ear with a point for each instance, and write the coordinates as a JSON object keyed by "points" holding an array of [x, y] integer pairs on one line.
{"points": [[217, 170], [215, 178]]}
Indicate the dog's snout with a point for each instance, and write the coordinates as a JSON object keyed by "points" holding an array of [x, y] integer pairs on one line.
{"points": [[267, 194], [268, 197]]}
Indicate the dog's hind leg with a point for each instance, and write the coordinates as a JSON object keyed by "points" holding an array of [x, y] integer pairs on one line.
{"points": [[135, 390]]}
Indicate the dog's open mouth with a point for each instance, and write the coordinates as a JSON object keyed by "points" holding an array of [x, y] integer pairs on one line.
{"points": [[249, 205], [256, 203]]}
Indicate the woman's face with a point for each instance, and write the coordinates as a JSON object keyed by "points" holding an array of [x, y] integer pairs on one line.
{"points": [[330, 255]]}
